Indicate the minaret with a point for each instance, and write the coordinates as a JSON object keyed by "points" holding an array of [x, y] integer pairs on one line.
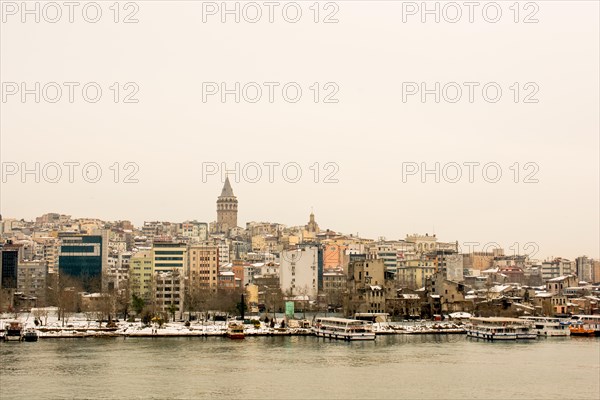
{"points": [[227, 208]]}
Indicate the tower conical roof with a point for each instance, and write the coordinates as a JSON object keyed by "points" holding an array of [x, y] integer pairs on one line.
{"points": [[227, 190]]}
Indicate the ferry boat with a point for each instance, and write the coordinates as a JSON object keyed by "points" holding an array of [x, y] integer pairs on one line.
{"points": [[585, 325], [494, 328], [13, 331], [343, 328], [235, 331], [546, 326]]}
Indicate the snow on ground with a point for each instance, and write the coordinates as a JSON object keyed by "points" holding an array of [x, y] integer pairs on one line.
{"points": [[86, 325]]}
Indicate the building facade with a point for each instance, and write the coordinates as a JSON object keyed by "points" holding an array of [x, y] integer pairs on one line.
{"points": [[169, 256], [203, 271], [32, 280], [84, 258], [141, 274], [169, 293], [365, 287], [299, 271]]}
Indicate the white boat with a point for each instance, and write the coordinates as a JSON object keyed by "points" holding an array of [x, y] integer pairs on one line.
{"points": [[495, 328], [343, 328], [380, 322], [546, 326]]}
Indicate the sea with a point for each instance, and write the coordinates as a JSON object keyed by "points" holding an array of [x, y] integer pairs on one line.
{"points": [[295, 367]]}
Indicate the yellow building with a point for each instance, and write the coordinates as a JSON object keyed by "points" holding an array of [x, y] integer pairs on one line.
{"points": [[479, 261], [415, 276], [252, 297], [203, 272], [141, 272], [258, 243]]}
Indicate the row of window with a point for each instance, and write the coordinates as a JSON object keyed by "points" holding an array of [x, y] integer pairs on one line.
{"points": [[167, 295]]}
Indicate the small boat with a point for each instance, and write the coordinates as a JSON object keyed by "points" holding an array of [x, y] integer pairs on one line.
{"points": [[30, 335], [585, 325], [13, 332], [235, 331], [581, 330]]}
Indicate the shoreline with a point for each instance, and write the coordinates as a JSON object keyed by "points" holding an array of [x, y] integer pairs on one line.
{"points": [[81, 327], [94, 333]]}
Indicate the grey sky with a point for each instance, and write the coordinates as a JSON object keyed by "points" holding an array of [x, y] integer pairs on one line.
{"points": [[369, 133]]}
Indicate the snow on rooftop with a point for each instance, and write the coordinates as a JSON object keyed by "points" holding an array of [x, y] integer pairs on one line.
{"points": [[410, 296], [499, 288], [490, 271], [460, 315], [558, 279]]}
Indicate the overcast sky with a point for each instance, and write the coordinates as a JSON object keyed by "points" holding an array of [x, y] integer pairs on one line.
{"points": [[367, 61]]}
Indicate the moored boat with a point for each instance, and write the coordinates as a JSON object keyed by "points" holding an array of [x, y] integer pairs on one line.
{"points": [[495, 328], [547, 326], [13, 331], [235, 331], [343, 328], [585, 325], [30, 335]]}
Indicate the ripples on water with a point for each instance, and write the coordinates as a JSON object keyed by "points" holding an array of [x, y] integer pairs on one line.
{"points": [[403, 366]]}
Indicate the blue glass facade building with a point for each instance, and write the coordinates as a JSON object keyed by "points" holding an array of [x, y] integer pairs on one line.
{"points": [[80, 257]]}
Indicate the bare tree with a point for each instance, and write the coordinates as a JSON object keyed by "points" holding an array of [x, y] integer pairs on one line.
{"points": [[123, 302], [198, 299], [67, 296], [40, 313], [106, 305]]}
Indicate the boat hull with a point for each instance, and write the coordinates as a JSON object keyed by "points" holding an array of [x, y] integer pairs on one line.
{"points": [[236, 336], [30, 337], [583, 332], [527, 336], [492, 336], [554, 333], [345, 336]]}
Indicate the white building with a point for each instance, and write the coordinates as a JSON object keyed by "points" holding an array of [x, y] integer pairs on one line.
{"points": [[454, 267], [557, 267], [585, 267], [196, 231], [299, 272]]}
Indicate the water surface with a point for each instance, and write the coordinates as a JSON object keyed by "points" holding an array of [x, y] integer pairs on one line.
{"points": [[391, 367]]}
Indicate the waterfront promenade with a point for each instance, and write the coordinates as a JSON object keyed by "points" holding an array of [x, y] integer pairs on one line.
{"points": [[79, 326]]}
